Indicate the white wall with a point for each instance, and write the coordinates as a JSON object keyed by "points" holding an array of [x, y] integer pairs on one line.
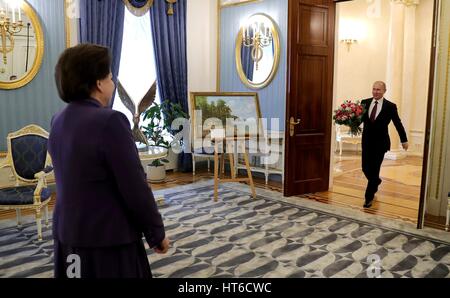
{"points": [[365, 62], [202, 45]]}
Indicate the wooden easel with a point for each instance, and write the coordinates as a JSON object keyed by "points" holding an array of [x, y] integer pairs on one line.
{"points": [[229, 143]]}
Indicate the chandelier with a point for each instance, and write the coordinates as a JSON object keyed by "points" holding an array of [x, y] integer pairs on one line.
{"points": [[9, 26], [257, 36]]}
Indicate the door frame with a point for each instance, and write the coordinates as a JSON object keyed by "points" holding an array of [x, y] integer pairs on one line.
{"points": [[429, 115], [430, 101]]}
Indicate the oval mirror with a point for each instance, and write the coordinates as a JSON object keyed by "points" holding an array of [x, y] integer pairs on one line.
{"points": [[257, 51], [21, 45]]}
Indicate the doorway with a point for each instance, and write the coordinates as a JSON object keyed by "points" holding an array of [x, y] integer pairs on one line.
{"points": [[356, 65]]}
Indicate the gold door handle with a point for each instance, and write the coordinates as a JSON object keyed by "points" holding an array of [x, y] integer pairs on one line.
{"points": [[292, 124]]}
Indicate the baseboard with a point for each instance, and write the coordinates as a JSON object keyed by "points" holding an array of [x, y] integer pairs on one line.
{"points": [[434, 225], [435, 222], [415, 154]]}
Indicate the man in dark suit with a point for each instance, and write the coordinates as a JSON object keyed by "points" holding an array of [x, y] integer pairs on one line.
{"points": [[375, 138]]}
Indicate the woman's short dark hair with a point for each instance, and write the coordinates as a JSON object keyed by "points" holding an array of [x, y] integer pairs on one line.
{"points": [[78, 70]]}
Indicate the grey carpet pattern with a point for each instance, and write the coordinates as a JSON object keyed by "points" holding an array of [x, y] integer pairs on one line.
{"points": [[242, 237]]}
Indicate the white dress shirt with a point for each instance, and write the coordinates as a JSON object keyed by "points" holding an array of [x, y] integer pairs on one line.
{"points": [[379, 106]]}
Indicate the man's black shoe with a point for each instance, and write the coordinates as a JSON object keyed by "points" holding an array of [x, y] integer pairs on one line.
{"points": [[368, 204]]}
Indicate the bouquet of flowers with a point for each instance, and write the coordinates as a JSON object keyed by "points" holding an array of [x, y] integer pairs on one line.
{"points": [[350, 114]]}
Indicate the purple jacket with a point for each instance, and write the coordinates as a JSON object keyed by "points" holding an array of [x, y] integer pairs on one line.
{"points": [[103, 198]]}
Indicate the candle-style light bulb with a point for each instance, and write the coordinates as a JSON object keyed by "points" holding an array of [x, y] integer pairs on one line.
{"points": [[19, 8], [13, 13]]}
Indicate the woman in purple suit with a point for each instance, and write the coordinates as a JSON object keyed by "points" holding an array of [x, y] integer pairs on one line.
{"points": [[104, 205]]}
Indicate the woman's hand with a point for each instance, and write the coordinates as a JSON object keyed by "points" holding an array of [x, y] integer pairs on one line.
{"points": [[163, 247]]}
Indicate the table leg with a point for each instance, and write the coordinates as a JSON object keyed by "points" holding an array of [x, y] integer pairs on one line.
{"points": [[216, 170], [249, 171]]}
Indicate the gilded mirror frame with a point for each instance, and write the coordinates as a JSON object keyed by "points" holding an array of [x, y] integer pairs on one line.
{"points": [[32, 15], [276, 62]]}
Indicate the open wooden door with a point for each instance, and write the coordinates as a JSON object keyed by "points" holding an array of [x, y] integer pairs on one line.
{"points": [[309, 96]]}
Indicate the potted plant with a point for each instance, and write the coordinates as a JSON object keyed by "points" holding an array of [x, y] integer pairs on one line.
{"points": [[159, 118]]}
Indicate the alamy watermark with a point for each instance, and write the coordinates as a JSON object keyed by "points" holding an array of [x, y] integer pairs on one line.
{"points": [[228, 136], [374, 269], [74, 268]]}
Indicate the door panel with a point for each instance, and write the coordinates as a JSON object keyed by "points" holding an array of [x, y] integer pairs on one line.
{"points": [[309, 95]]}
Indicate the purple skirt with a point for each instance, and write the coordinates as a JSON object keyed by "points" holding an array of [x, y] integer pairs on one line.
{"points": [[124, 261]]}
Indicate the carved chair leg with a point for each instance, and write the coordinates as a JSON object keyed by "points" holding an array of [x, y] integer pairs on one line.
{"points": [[193, 165], [39, 224], [46, 216], [19, 218]]}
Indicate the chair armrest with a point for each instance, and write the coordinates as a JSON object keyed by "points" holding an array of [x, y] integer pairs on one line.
{"points": [[44, 173], [41, 180], [5, 163]]}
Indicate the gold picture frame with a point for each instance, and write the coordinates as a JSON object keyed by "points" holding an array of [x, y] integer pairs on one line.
{"points": [[240, 106]]}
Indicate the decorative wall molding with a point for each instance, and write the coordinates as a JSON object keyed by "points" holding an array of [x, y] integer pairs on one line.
{"points": [[406, 2], [227, 3]]}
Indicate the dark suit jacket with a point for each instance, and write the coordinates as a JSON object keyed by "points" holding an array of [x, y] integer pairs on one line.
{"points": [[376, 135], [103, 198]]}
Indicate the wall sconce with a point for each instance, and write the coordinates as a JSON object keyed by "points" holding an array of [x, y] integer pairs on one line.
{"points": [[257, 35], [350, 32], [8, 25], [349, 42]]}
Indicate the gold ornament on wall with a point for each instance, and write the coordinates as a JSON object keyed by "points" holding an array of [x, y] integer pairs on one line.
{"points": [[138, 10], [19, 68], [257, 51], [171, 3], [9, 26]]}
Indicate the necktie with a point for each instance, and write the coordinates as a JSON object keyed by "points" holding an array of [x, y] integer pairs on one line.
{"points": [[374, 112]]}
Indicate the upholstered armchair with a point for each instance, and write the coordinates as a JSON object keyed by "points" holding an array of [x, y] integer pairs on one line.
{"points": [[30, 164]]}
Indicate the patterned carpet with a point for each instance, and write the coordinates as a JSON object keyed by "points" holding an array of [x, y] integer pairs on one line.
{"points": [[242, 237]]}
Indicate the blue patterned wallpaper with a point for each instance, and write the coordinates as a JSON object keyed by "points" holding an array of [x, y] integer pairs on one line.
{"points": [[37, 101], [273, 97]]}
